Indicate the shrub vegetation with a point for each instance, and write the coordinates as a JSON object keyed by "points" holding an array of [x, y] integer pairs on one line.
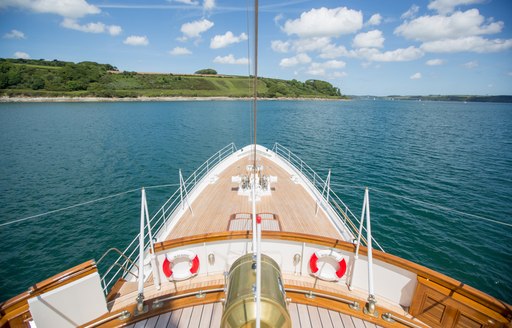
{"points": [[41, 78]]}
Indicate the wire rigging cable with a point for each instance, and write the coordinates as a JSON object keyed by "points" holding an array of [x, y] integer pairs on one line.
{"points": [[84, 203], [444, 208]]}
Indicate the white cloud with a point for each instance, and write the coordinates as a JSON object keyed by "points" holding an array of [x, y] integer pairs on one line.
{"points": [[460, 24], [332, 51], [326, 68], [376, 19], [65, 8], [88, 28], [471, 64], [311, 44], [195, 28], [21, 55], [188, 2], [316, 71], [280, 46], [325, 22], [295, 60], [467, 44], [411, 13], [278, 18], [208, 4], [435, 62], [302, 45], [447, 6], [91, 27], [114, 30], [222, 41], [135, 40], [180, 51], [14, 34], [339, 74], [230, 59], [398, 55], [415, 76], [371, 39]]}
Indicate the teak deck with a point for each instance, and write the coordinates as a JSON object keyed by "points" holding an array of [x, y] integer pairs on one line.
{"points": [[292, 204], [209, 315]]}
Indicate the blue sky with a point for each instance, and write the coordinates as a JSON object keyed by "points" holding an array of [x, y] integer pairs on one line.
{"points": [[372, 47]]}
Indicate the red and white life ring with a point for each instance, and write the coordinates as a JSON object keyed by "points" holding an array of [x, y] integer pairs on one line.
{"points": [[182, 272], [325, 274]]}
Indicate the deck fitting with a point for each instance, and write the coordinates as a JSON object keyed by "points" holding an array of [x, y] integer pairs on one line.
{"points": [[125, 315], [143, 311], [388, 317], [354, 306]]}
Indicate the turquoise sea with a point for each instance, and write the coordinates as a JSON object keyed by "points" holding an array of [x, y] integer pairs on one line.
{"points": [[454, 155]]}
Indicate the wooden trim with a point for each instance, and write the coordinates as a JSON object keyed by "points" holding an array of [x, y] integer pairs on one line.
{"points": [[274, 217], [331, 304], [468, 292], [17, 307], [113, 293], [455, 295], [70, 274]]}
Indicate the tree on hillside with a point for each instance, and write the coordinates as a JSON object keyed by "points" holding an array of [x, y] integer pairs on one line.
{"points": [[324, 87], [209, 71]]}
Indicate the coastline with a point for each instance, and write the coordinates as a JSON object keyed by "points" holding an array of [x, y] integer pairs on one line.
{"points": [[146, 99]]}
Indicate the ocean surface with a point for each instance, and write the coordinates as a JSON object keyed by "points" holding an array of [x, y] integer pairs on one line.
{"points": [[453, 155]]}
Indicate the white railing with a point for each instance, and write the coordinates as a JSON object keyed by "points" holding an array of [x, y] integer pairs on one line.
{"points": [[342, 211], [122, 266]]}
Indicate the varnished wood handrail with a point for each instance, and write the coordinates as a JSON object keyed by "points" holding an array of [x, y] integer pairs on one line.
{"points": [[467, 291], [63, 277]]}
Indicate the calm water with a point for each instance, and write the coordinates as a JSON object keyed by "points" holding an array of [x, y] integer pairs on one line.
{"points": [[452, 154]]}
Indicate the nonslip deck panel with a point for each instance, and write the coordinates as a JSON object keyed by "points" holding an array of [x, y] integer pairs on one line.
{"points": [[208, 315], [218, 202]]}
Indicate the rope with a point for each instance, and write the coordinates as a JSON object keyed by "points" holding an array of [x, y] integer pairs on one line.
{"points": [[81, 204], [163, 186], [426, 204]]}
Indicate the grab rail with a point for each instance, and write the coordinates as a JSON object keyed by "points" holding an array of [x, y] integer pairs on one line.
{"points": [[160, 220], [347, 217]]}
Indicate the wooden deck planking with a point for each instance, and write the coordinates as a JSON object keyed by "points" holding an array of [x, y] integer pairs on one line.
{"points": [[347, 321], [218, 201], [185, 317], [358, 323], [305, 322], [163, 319], [335, 318], [314, 316], [325, 318], [209, 315], [294, 315], [206, 316], [216, 315], [152, 321], [175, 319], [195, 316]]}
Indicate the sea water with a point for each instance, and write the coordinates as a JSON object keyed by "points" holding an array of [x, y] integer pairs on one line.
{"points": [[426, 163]]}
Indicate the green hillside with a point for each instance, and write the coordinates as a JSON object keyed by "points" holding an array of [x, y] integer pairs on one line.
{"points": [[40, 78]]}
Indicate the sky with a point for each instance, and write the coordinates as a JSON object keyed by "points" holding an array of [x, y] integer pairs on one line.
{"points": [[364, 47]]}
